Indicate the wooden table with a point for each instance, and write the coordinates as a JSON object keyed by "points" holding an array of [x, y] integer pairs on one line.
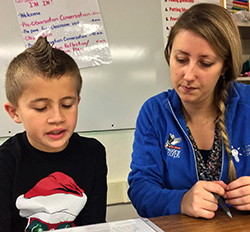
{"points": [[220, 223]]}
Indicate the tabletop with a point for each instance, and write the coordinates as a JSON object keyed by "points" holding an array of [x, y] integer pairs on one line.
{"points": [[220, 223]]}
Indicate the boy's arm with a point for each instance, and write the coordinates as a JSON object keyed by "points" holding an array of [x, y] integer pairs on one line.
{"points": [[6, 182], [95, 208]]}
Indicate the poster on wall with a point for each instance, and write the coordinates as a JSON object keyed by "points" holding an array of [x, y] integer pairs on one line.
{"points": [[171, 10], [74, 26]]}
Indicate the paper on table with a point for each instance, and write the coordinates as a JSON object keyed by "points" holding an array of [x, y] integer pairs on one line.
{"points": [[130, 225]]}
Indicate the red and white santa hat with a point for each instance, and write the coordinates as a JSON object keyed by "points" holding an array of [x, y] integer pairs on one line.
{"points": [[54, 199]]}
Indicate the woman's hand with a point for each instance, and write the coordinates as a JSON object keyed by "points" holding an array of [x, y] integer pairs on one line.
{"points": [[199, 200], [238, 193]]}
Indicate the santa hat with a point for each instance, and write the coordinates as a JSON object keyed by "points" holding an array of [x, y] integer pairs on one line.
{"points": [[54, 199]]}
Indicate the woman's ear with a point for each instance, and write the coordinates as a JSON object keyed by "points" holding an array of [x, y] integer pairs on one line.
{"points": [[224, 69], [12, 111]]}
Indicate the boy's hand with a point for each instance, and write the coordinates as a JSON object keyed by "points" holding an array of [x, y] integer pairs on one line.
{"points": [[238, 193], [199, 200]]}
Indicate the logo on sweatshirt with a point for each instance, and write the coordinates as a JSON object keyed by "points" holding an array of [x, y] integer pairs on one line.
{"points": [[171, 146], [236, 153], [246, 150]]}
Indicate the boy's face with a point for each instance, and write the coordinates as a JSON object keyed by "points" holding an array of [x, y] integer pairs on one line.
{"points": [[48, 111]]}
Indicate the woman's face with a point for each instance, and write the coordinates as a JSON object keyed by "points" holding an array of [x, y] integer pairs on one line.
{"points": [[195, 68]]}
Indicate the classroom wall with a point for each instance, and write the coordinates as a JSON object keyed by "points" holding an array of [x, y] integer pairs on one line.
{"points": [[112, 93]]}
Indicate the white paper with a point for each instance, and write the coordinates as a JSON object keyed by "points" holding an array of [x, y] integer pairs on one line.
{"points": [[131, 225], [171, 10], [75, 26]]}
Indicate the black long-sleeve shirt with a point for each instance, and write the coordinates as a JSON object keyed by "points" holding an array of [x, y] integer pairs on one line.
{"points": [[22, 167]]}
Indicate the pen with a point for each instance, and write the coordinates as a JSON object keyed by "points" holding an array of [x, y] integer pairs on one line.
{"points": [[220, 201]]}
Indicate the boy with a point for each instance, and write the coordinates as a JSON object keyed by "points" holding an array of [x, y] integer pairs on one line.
{"points": [[50, 177]]}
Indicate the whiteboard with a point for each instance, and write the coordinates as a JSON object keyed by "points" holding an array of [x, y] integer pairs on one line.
{"points": [[112, 94]]}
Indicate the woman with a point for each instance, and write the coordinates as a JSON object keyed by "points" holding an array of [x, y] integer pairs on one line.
{"points": [[201, 126]]}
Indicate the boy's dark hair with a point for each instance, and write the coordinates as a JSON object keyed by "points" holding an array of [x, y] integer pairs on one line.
{"points": [[40, 60]]}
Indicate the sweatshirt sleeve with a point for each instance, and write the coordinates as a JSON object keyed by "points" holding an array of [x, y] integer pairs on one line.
{"points": [[7, 175], [95, 208], [148, 191]]}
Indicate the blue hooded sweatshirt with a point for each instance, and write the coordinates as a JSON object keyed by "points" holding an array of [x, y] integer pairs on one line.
{"points": [[163, 163]]}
